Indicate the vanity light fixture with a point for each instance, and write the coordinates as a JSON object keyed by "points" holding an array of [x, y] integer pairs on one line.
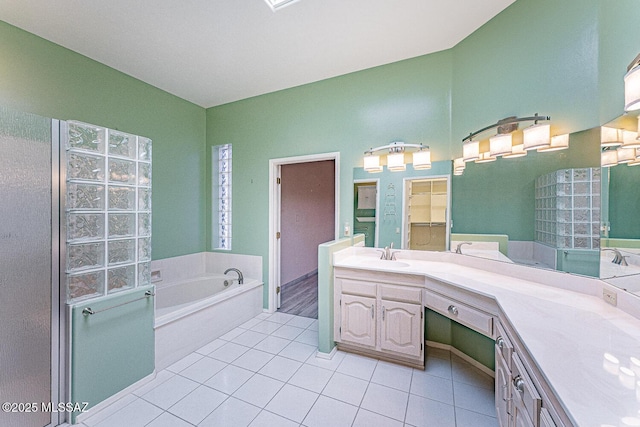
{"points": [[558, 142], [536, 136], [471, 150], [395, 157], [500, 144], [516, 151], [276, 5], [632, 86]]}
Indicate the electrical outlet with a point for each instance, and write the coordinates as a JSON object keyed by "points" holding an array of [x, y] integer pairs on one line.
{"points": [[610, 296]]}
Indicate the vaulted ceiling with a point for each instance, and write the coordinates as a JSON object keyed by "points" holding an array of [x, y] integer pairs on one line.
{"points": [[212, 52]]}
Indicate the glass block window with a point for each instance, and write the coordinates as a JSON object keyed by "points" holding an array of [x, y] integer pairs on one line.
{"points": [[108, 211], [221, 161]]}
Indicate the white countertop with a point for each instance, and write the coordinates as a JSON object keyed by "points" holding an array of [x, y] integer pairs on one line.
{"points": [[561, 319]]}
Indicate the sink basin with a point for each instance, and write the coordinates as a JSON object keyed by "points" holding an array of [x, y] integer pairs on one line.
{"points": [[383, 263]]}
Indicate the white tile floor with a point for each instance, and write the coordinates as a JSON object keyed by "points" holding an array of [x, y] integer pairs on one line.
{"points": [[265, 373]]}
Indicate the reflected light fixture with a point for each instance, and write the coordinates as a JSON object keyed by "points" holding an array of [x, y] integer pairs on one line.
{"points": [[630, 139], [558, 142], [626, 155], [422, 159], [632, 86], [609, 158], [458, 166], [610, 137], [372, 163], [471, 150], [395, 157]]}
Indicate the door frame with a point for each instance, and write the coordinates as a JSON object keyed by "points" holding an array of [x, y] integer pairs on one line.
{"points": [[405, 200], [274, 213], [376, 226]]}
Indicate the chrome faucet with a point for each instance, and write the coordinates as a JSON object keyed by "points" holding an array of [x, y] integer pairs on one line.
{"points": [[618, 259], [386, 254], [240, 278], [459, 247]]}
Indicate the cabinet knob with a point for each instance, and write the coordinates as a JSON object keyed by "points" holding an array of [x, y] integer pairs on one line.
{"points": [[383, 310], [453, 310], [500, 342], [372, 311], [518, 383]]}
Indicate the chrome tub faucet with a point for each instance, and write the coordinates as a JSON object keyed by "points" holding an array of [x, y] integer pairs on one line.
{"points": [[240, 278]]}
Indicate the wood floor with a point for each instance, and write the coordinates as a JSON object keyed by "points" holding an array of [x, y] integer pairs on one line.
{"points": [[300, 297]]}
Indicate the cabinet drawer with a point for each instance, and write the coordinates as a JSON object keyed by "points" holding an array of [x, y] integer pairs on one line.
{"points": [[503, 344], [401, 293], [462, 313], [524, 390], [358, 287]]}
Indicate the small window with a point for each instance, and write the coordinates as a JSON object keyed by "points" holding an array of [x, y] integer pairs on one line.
{"points": [[221, 174]]}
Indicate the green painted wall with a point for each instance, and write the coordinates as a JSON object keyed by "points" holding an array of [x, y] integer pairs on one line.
{"points": [[499, 197], [535, 56], [624, 203], [619, 44], [41, 77], [443, 330], [111, 349], [408, 100]]}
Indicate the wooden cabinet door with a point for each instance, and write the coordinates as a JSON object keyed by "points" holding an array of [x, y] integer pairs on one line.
{"points": [[402, 328], [503, 392], [520, 416], [358, 320]]}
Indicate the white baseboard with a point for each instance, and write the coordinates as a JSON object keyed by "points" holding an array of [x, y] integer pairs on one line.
{"points": [[94, 410], [328, 356], [462, 356]]}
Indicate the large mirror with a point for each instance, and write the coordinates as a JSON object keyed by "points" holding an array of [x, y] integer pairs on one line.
{"points": [[557, 210], [620, 242]]}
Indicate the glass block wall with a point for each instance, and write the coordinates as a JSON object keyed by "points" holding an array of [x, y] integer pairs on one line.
{"points": [[567, 209], [107, 211]]}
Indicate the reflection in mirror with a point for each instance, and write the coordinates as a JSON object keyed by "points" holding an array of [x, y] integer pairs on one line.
{"points": [[425, 220], [391, 206], [497, 207], [620, 240]]}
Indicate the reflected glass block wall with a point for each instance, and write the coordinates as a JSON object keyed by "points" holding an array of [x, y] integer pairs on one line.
{"points": [[107, 211], [568, 209]]}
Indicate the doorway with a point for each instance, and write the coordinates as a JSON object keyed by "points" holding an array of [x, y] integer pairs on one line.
{"points": [[426, 219], [366, 200], [303, 214]]}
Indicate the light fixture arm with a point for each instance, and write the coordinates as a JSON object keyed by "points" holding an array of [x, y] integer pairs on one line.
{"points": [[396, 147], [507, 121], [634, 63]]}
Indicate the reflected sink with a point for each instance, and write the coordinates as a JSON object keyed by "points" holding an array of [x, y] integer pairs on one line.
{"points": [[383, 263]]}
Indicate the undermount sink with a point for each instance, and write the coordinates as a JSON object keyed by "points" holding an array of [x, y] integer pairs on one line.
{"points": [[383, 263]]}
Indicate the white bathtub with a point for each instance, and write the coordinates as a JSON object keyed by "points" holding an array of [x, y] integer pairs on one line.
{"points": [[191, 313]]}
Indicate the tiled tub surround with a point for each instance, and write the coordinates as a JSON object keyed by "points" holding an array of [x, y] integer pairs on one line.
{"points": [[265, 373], [201, 314], [561, 319]]}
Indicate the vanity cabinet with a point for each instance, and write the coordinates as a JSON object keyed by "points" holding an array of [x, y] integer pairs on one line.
{"points": [[380, 315], [520, 389], [461, 312]]}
